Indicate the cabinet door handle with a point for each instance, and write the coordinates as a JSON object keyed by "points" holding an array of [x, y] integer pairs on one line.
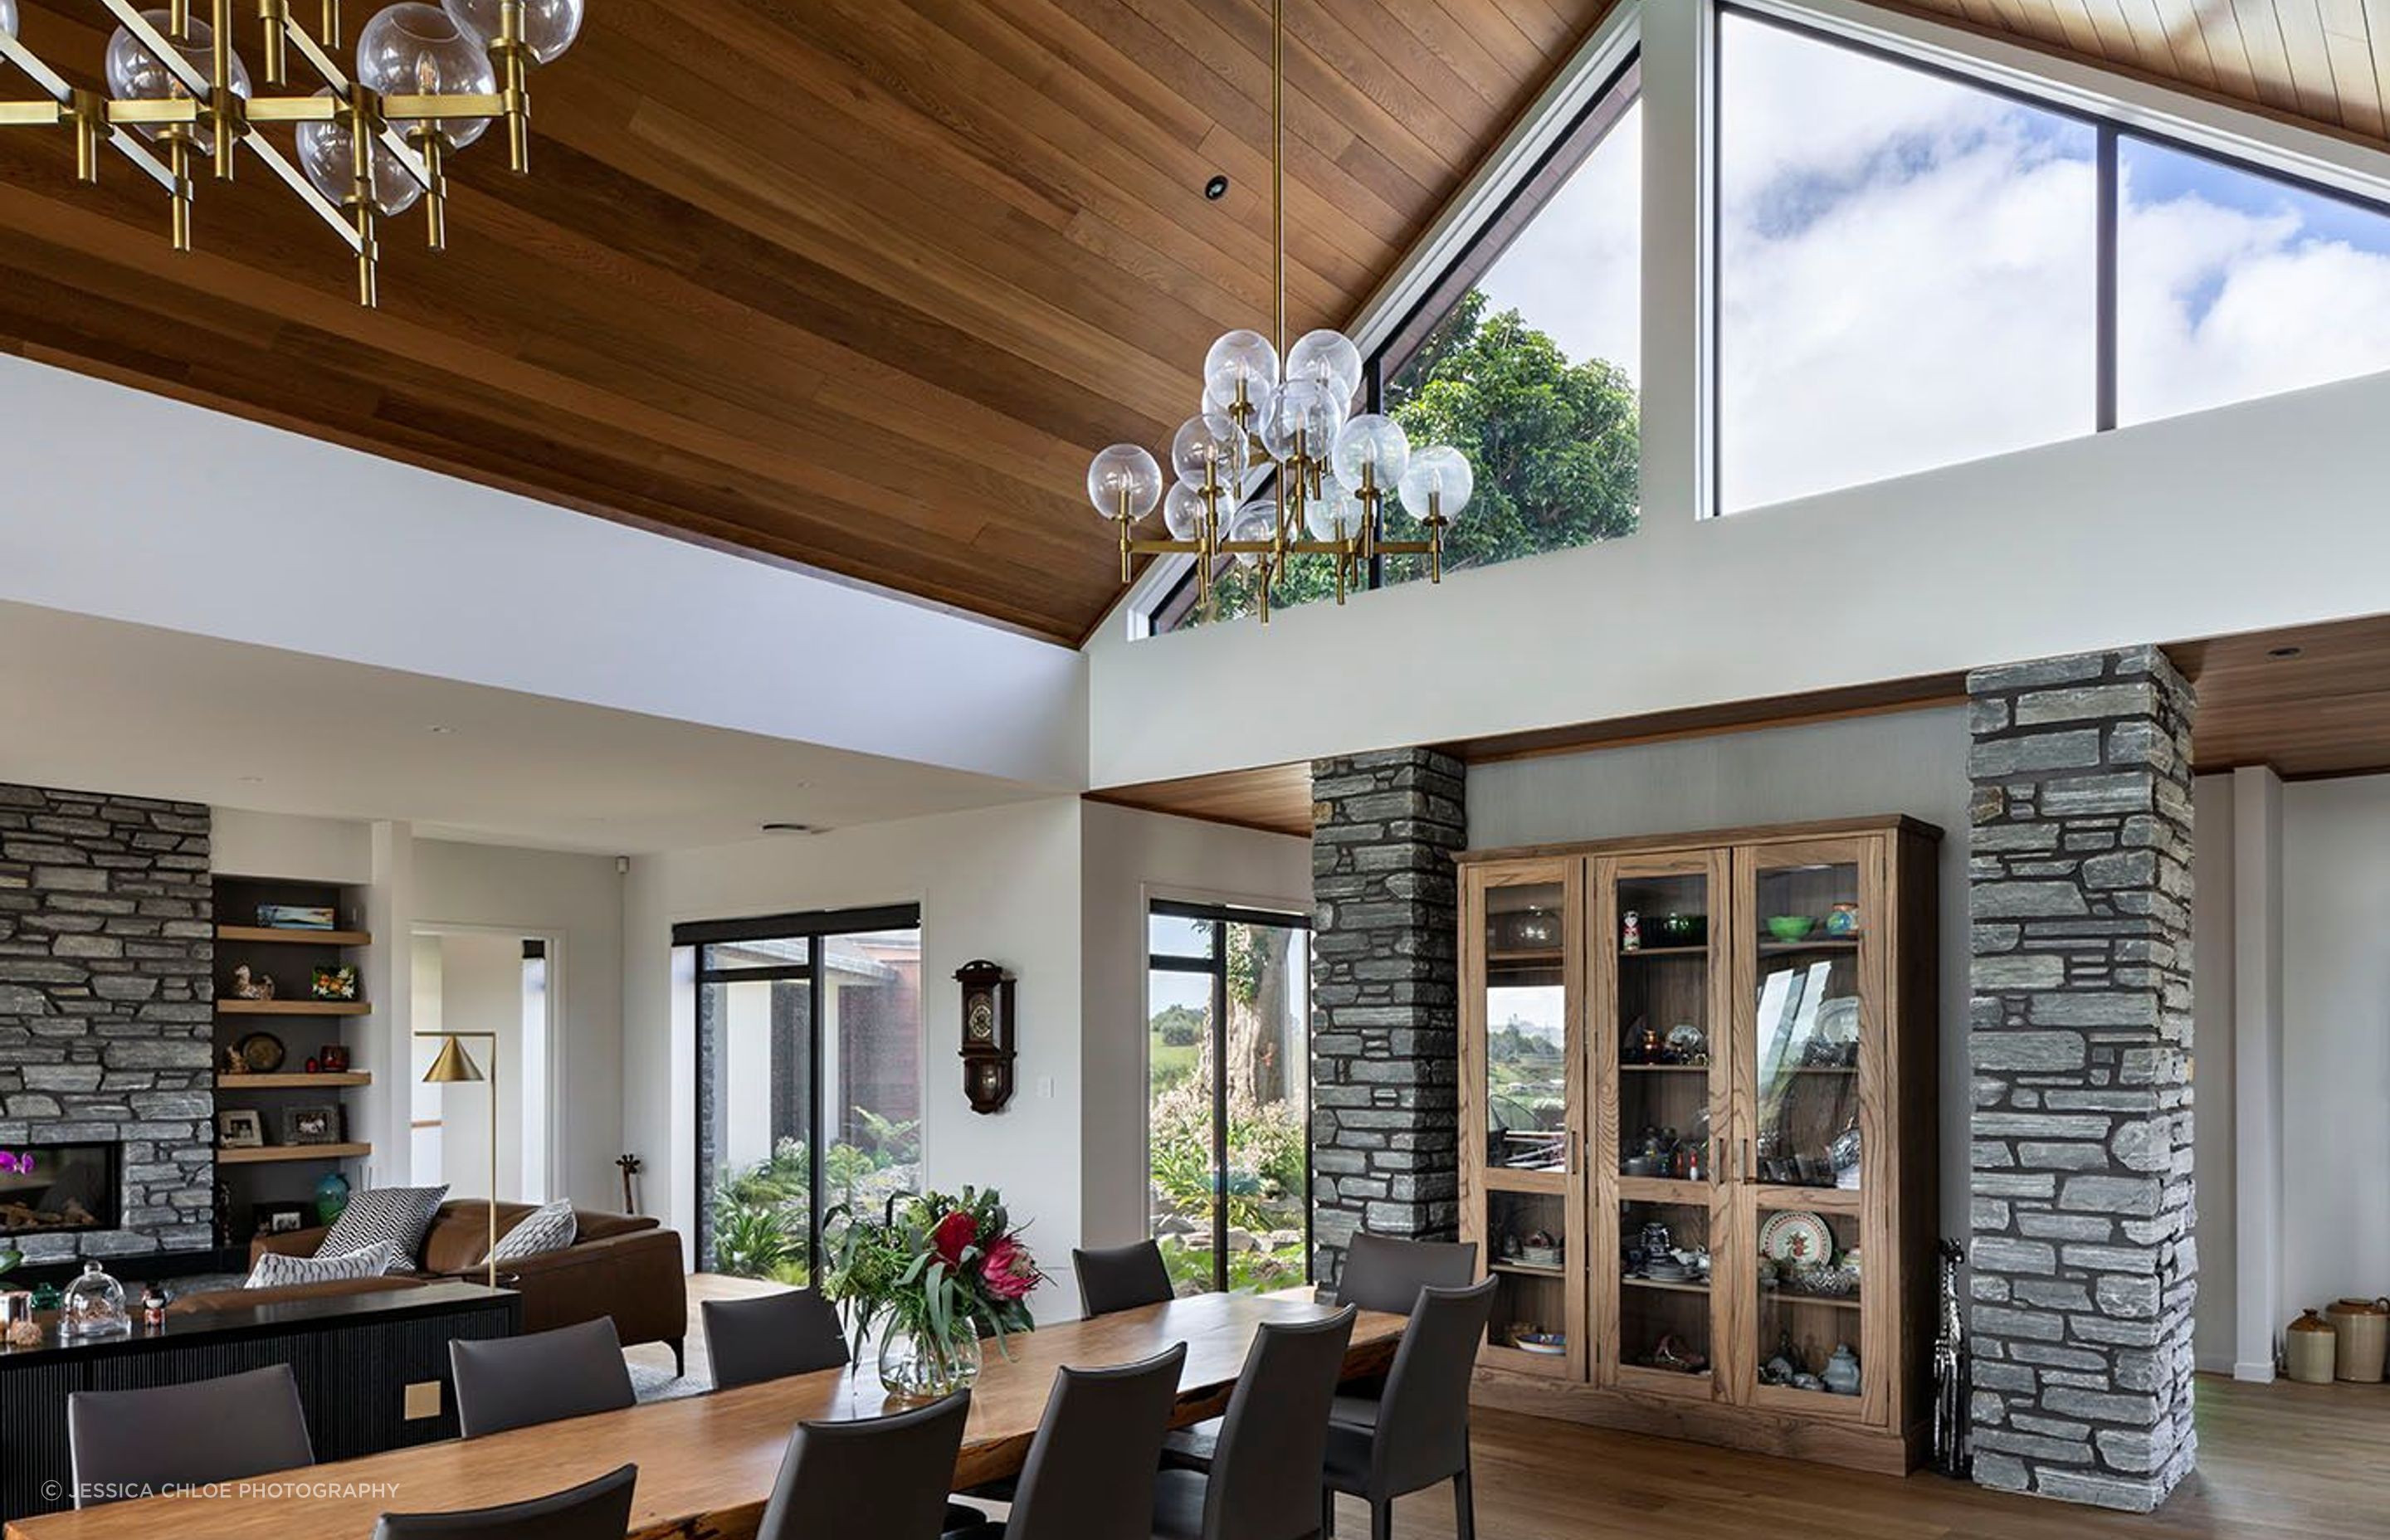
{"points": [[1747, 1174]]}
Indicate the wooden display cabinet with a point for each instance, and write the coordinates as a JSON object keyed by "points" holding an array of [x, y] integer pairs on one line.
{"points": [[1745, 1074]]}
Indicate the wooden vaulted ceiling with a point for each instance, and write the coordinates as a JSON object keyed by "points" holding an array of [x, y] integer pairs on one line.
{"points": [[861, 283], [855, 283]]}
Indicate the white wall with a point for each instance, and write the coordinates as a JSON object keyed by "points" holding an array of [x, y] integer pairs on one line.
{"points": [[1131, 858], [1002, 884], [478, 982], [576, 903], [2335, 1040], [1912, 762], [243, 844], [2211, 1074]]}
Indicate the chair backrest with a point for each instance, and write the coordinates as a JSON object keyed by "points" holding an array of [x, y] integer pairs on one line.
{"points": [[593, 1510], [1382, 1273], [885, 1478], [545, 1376], [1422, 1432], [130, 1443], [771, 1336], [1266, 1474], [1121, 1277], [1089, 1474]]}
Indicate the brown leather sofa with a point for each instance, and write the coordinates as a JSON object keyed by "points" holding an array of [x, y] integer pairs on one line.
{"points": [[625, 1266]]}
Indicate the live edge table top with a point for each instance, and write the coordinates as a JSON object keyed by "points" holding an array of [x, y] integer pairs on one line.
{"points": [[707, 1462]]}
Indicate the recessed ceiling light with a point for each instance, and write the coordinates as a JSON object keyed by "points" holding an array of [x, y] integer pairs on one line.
{"points": [[441, 729], [252, 780], [2285, 651], [778, 826]]}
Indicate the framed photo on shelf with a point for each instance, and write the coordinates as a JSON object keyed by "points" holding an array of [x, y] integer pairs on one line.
{"points": [[311, 1125], [335, 984], [280, 1218], [239, 1128]]}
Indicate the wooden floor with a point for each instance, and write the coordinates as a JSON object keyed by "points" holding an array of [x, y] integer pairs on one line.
{"points": [[2277, 1462]]}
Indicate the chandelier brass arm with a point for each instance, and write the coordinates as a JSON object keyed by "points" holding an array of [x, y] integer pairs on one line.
{"points": [[363, 152]]}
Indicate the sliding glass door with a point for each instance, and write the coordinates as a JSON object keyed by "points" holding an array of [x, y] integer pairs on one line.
{"points": [[808, 1085], [1228, 1073]]}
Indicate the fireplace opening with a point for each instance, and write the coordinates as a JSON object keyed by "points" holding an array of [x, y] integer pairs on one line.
{"points": [[51, 1189]]}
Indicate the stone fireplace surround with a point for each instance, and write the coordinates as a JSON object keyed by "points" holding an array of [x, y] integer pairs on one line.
{"points": [[106, 961]]}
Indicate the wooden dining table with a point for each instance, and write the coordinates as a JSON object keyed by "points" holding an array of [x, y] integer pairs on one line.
{"points": [[707, 1462]]}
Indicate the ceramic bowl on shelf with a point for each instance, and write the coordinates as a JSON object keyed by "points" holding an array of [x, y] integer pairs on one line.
{"points": [[1790, 928], [1551, 1344]]}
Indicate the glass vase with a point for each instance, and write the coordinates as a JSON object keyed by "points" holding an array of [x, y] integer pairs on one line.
{"points": [[920, 1363]]}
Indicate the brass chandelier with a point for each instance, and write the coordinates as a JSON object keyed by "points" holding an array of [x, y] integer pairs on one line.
{"points": [[429, 79], [1279, 419]]}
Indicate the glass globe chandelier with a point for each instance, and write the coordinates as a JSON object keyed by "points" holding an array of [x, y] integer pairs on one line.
{"points": [[429, 79], [1282, 417]]}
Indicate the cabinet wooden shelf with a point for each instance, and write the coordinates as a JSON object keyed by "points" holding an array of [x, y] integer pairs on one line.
{"points": [[1841, 1156], [300, 1080], [290, 935], [269, 1154], [293, 1008]]}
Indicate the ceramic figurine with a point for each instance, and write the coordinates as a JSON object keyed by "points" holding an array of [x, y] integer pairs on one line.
{"points": [[1952, 1379], [247, 985], [1631, 928], [1842, 1375], [1843, 920]]}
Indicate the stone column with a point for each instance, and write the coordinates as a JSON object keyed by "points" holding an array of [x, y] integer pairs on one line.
{"points": [[1384, 1015], [2084, 1266]]}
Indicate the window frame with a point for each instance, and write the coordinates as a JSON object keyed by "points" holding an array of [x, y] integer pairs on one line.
{"points": [[815, 927], [1621, 88], [2109, 130], [1220, 917]]}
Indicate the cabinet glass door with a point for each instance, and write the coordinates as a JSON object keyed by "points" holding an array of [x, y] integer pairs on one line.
{"points": [[1662, 1100], [1807, 1147], [1521, 1015]]}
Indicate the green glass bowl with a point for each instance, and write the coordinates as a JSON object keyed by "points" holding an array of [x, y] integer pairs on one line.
{"points": [[1790, 927]]}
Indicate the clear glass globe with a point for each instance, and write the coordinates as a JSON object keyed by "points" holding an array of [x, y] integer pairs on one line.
{"points": [[1256, 521], [324, 156], [418, 50], [1335, 501], [1327, 358], [1182, 510], [137, 74], [1210, 443], [549, 26], [1442, 473], [1243, 357], [1307, 407], [8, 16], [1375, 443], [1123, 468]]}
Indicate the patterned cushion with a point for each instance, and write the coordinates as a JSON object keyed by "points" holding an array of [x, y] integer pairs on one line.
{"points": [[547, 1228], [399, 1216], [275, 1270]]}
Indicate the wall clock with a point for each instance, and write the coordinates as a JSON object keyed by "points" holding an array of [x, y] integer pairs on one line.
{"points": [[987, 1049]]}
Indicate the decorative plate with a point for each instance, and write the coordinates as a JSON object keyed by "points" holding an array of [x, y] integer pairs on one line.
{"points": [[1796, 1237], [1838, 1020], [261, 1051]]}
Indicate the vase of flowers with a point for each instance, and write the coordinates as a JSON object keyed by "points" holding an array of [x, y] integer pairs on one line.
{"points": [[930, 1279]]}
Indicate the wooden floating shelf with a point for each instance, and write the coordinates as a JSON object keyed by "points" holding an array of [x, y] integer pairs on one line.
{"points": [[265, 1154], [1527, 1270], [1816, 943], [293, 1008], [1836, 1302], [298, 1080], [1663, 1285], [291, 935]]}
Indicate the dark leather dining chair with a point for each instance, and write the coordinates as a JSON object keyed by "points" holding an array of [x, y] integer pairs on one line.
{"points": [[1090, 1470], [883, 1478], [545, 1376], [1384, 1273], [1264, 1482], [1419, 1437], [1113, 1279], [771, 1336], [132, 1444], [597, 1510]]}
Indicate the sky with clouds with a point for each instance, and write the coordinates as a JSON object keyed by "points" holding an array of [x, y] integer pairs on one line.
{"points": [[1907, 272]]}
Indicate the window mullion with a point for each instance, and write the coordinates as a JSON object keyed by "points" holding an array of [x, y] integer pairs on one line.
{"points": [[2104, 408]]}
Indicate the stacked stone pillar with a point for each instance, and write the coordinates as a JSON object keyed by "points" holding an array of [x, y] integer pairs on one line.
{"points": [[2084, 1268], [1384, 1003]]}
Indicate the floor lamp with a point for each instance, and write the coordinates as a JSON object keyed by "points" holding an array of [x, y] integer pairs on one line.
{"points": [[454, 1066]]}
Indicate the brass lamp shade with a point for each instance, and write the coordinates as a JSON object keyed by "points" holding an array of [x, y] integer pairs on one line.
{"points": [[452, 1066]]}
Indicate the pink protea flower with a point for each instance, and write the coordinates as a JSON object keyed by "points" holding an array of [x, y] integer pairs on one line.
{"points": [[953, 1233], [1009, 1272]]}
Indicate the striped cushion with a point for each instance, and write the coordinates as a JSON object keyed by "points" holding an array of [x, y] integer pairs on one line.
{"points": [[274, 1270], [549, 1227], [399, 1216]]}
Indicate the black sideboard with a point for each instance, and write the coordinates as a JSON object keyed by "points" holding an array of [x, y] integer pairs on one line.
{"points": [[355, 1355]]}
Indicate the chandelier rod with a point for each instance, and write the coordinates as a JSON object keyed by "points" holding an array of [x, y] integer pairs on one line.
{"points": [[1278, 174]]}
